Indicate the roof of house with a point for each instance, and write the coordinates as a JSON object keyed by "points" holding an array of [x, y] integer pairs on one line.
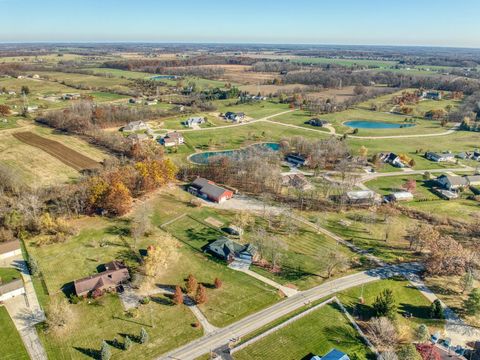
{"points": [[9, 246], [174, 135], [440, 155], [11, 286], [454, 179], [402, 195], [473, 178], [135, 124], [335, 354], [224, 246], [361, 194], [208, 187], [115, 273]]}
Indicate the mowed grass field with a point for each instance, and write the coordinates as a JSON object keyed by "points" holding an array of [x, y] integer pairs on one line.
{"points": [[11, 345], [408, 299], [315, 334], [36, 166]]}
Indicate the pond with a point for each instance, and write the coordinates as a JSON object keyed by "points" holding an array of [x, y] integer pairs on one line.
{"points": [[202, 158], [365, 124]]}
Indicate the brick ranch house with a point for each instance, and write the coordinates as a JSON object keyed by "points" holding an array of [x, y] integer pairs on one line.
{"points": [[115, 274], [207, 189]]}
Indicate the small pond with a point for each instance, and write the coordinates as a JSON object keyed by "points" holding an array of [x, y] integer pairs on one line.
{"points": [[202, 158], [365, 124], [164, 77]]}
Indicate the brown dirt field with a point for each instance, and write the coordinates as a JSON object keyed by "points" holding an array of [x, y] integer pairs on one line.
{"points": [[61, 152], [271, 89], [240, 74]]}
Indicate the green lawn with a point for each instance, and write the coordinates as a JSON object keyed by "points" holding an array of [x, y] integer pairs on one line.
{"points": [[254, 110], [368, 231], [345, 62], [168, 327], [315, 334], [8, 274], [11, 345], [298, 118], [407, 297]]}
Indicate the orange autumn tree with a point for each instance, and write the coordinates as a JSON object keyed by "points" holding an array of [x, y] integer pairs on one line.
{"points": [[118, 200]]}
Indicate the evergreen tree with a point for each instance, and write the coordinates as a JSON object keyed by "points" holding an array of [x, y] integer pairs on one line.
{"points": [[201, 296], [472, 304], [408, 352], [192, 284], [128, 343], [436, 310], [178, 296], [385, 305], [143, 336], [105, 353], [422, 335]]}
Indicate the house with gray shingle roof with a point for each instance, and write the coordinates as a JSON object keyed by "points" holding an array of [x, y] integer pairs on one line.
{"points": [[229, 250]]}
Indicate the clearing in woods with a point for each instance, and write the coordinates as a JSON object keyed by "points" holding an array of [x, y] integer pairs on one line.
{"points": [[63, 153]]}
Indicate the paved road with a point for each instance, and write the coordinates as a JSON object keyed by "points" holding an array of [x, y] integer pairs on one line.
{"points": [[371, 176], [253, 322]]}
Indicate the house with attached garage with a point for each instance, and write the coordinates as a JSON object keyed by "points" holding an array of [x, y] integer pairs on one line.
{"points": [[172, 139], [440, 157], [451, 182], [135, 126], [208, 190], [296, 159], [114, 275], [10, 249], [190, 122], [229, 250], [235, 117], [392, 159]]}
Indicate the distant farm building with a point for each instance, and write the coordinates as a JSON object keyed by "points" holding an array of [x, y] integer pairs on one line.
{"points": [[432, 95], [208, 190], [115, 274], [362, 197], [400, 196]]}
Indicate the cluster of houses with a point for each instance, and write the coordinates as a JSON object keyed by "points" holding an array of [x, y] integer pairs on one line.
{"points": [[234, 116], [14, 287], [448, 156]]}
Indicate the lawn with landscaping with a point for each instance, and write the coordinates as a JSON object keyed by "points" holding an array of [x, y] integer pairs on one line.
{"points": [[315, 334]]}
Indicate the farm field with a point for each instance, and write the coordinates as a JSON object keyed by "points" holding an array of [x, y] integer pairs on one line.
{"points": [[66, 155], [87, 82], [255, 110], [11, 346], [315, 334], [345, 62], [38, 168]]}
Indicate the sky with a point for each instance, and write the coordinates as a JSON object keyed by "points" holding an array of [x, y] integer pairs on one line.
{"points": [[368, 22]]}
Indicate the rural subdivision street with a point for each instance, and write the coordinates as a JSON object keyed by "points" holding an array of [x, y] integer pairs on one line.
{"points": [[255, 321]]}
